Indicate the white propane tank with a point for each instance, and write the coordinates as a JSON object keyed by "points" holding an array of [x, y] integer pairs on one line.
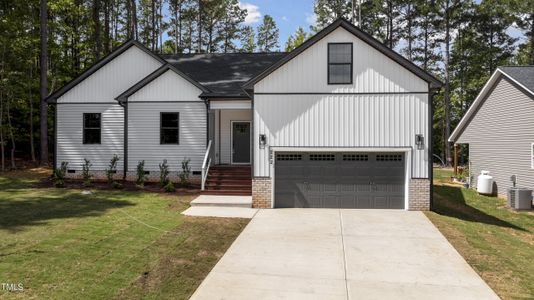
{"points": [[485, 183]]}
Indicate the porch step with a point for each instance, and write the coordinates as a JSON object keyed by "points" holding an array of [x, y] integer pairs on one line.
{"points": [[222, 201], [229, 180]]}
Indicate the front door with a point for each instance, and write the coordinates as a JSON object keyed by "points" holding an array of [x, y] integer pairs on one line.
{"points": [[240, 142]]}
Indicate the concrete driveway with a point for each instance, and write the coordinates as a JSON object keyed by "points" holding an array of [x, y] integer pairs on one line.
{"points": [[342, 254]]}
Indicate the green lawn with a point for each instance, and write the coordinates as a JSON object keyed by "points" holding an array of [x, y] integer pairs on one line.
{"points": [[61, 244], [497, 242]]}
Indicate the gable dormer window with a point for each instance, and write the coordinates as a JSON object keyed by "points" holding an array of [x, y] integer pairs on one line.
{"points": [[340, 63]]}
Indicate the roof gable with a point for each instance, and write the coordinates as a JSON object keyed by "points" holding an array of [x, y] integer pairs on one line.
{"points": [[97, 66], [501, 72], [434, 82], [153, 76]]}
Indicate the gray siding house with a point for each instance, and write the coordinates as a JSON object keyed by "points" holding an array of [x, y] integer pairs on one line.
{"points": [[341, 121], [499, 128]]}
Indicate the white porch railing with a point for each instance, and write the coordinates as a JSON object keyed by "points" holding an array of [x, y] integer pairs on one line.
{"points": [[206, 166]]}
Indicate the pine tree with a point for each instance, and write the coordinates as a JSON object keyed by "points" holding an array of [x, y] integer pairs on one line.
{"points": [[247, 39], [295, 41], [267, 35]]}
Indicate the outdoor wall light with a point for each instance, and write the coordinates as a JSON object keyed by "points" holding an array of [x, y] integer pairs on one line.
{"points": [[263, 141], [420, 141]]}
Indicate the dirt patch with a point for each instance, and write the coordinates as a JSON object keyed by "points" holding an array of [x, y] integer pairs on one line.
{"points": [[184, 258]]}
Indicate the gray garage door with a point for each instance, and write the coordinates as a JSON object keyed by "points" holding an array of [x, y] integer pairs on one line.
{"points": [[339, 180]]}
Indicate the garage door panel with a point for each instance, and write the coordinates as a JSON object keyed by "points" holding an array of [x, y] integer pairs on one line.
{"points": [[344, 180]]}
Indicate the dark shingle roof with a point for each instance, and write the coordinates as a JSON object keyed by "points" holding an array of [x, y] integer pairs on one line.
{"points": [[223, 74], [522, 74]]}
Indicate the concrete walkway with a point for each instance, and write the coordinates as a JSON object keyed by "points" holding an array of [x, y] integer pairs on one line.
{"points": [[342, 254]]}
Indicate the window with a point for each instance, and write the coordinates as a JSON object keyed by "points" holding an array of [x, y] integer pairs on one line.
{"points": [[169, 123], [322, 157], [91, 128], [339, 63]]}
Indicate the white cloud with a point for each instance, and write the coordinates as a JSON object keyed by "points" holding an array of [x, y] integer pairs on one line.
{"points": [[253, 13], [311, 19], [284, 18]]}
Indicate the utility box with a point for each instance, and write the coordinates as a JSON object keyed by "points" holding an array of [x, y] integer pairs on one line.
{"points": [[519, 198]]}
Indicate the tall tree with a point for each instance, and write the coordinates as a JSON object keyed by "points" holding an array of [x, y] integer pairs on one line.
{"points": [[247, 39], [97, 29], [296, 40], [43, 82], [327, 11], [267, 35]]}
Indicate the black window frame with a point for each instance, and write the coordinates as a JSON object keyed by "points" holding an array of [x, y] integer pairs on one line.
{"points": [[84, 138], [330, 63], [161, 127]]}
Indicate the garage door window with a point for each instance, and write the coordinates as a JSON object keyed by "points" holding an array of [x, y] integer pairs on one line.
{"points": [[289, 157], [389, 157], [355, 157], [322, 157]]}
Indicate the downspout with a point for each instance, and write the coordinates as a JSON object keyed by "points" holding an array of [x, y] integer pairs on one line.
{"points": [[55, 137], [430, 146], [124, 105]]}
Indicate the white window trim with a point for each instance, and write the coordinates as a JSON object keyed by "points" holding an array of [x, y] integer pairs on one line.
{"points": [[532, 155]]}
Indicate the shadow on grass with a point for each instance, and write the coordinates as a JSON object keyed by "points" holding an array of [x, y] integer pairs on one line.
{"points": [[61, 204], [450, 201]]}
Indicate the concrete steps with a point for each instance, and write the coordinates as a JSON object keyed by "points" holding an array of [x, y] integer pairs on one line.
{"points": [[222, 201]]}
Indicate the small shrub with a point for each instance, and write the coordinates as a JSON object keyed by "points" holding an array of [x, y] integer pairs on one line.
{"points": [[164, 173], [186, 171], [140, 177], [86, 166], [59, 174], [169, 187], [110, 172], [116, 185]]}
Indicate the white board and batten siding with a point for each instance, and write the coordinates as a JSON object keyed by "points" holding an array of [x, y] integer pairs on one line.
{"points": [[391, 111], [167, 93], [96, 94], [500, 136]]}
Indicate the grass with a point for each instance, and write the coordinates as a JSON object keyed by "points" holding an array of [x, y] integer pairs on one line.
{"points": [[497, 242], [62, 244]]}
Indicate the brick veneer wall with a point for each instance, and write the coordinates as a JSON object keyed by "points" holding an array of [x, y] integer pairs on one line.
{"points": [[261, 192], [419, 198]]}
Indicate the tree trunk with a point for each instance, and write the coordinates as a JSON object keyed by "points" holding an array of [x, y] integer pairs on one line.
{"points": [[107, 28], [12, 136], [409, 34], [2, 144], [30, 99], [153, 10], [532, 39], [446, 96], [43, 120], [96, 34], [135, 31], [199, 24]]}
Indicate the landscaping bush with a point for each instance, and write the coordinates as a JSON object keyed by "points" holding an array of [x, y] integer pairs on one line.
{"points": [[140, 176], [164, 173], [186, 171], [86, 175], [59, 174], [169, 187], [111, 171]]}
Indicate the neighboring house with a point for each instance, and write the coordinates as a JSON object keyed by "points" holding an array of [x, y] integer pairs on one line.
{"points": [[341, 121], [499, 128]]}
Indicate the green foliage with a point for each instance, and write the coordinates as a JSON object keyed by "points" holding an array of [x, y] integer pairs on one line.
{"points": [[247, 39], [140, 174], [169, 187], [58, 177], [86, 172], [267, 35], [186, 171], [164, 173], [295, 41], [112, 169]]}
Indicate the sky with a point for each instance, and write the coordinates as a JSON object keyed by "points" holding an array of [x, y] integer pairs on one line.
{"points": [[288, 15]]}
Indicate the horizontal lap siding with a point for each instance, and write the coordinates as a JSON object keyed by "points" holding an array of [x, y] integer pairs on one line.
{"points": [[341, 121], [70, 147], [144, 135], [500, 136]]}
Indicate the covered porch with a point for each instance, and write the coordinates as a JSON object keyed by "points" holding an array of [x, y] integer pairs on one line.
{"points": [[226, 167]]}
